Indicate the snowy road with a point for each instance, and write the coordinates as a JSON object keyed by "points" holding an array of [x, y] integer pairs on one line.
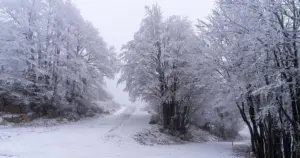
{"points": [[105, 137]]}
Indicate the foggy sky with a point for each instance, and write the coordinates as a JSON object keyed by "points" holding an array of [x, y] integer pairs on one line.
{"points": [[118, 20]]}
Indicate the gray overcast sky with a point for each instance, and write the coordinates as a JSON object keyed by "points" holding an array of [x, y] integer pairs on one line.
{"points": [[118, 20]]}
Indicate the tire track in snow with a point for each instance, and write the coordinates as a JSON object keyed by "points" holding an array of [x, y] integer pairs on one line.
{"points": [[6, 156], [124, 118], [124, 115]]}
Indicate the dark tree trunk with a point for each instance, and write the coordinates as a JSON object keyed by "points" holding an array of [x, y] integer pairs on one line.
{"points": [[166, 117]]}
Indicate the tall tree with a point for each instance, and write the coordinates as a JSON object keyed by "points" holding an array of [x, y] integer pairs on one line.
{"points": [[51, 57], [254, 46], [156, 66]]}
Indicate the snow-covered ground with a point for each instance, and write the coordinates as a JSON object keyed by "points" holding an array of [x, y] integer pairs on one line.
{"points": [[105, 137]]}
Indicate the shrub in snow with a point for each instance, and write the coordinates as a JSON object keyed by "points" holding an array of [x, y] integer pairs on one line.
{"points": [[154, 119], [159, 136], [13, 118], [226, 126], [108, 106], [154, 136], [243, 150]]}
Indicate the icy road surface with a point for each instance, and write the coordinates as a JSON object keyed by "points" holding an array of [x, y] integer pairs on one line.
{"points": [[104, 137]]}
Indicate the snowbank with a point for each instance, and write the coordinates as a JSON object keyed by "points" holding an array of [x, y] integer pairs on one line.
{"points": [[154, 136]]}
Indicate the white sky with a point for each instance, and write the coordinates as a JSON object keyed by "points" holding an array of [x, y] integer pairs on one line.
{"points": [[118, 20]]}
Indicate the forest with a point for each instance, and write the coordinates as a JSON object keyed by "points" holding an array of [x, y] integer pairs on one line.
{"points": [[238, 67], [53, 62], [240, 63]]}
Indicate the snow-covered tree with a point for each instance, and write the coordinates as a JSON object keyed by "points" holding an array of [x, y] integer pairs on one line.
{"points": [[51, 57], [254, 47], [158, 67]]}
